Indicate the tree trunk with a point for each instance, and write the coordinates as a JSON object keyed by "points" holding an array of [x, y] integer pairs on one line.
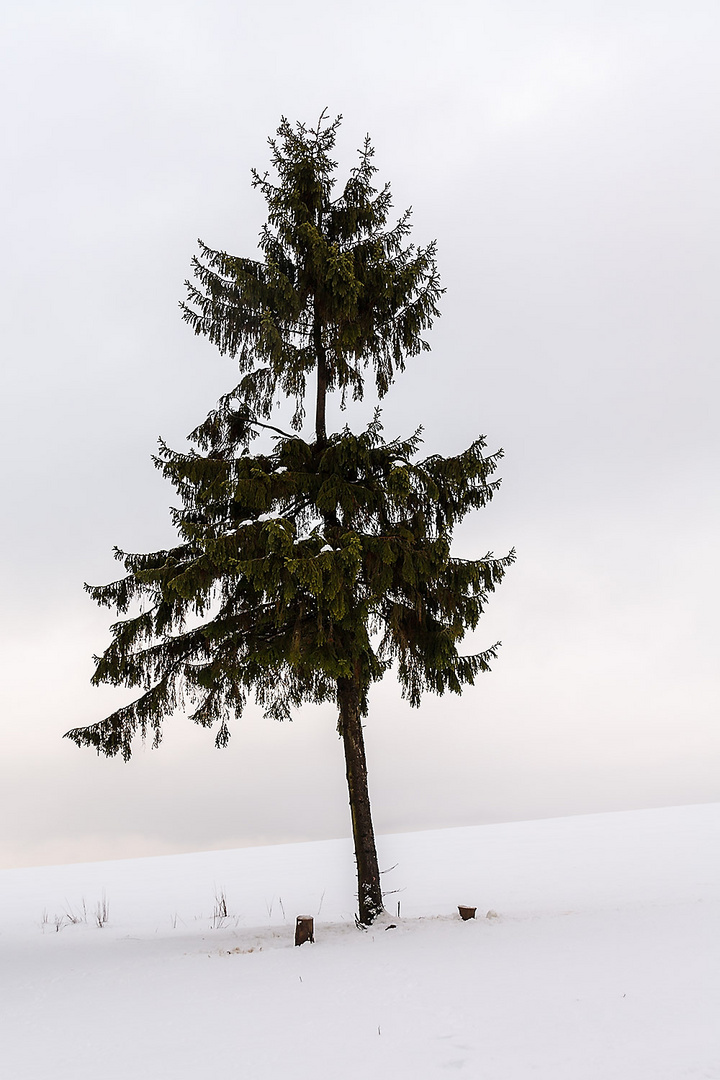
{"points": [[369, 892], [321, 398]]}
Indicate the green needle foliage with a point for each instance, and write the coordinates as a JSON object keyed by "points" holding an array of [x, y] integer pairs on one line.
{"points": [[304, 573], [336, 292], [298, 568]]}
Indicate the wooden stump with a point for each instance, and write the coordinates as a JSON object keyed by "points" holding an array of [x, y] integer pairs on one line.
{"points": [[304, 929], [466, 912]]}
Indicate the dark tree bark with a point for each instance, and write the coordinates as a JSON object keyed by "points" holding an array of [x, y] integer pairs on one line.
{"points": [[369, 892], [320, 401], [304, 929]]}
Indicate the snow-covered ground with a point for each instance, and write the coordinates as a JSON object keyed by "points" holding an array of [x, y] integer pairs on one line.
{"points": [[600, 960]]}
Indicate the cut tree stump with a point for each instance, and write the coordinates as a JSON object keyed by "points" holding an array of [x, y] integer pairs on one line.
{"points": [[466, 912], [304, 929]]}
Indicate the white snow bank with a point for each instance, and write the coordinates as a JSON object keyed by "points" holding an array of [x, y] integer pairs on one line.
{"points": [[603, 961]]}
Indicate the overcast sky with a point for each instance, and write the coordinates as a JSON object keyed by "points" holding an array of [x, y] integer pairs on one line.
{"points": [[565, 155]]}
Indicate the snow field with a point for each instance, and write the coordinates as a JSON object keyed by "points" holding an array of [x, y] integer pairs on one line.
{"points": [[603, 962]]}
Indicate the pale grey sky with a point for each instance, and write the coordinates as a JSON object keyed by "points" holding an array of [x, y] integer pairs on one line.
{"points": [[565, 156]]}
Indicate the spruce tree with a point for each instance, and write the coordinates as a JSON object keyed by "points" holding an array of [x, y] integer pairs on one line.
{"points": [[302, 573]]}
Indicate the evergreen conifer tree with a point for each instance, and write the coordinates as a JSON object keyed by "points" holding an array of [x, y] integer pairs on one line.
{"points": [[304, 572]]}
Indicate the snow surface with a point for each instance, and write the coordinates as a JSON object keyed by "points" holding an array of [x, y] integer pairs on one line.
{"points": [[601, 960]]}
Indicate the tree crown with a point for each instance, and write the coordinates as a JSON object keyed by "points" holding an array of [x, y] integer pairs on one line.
{"points": [[314, 566], [335, 286]]}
